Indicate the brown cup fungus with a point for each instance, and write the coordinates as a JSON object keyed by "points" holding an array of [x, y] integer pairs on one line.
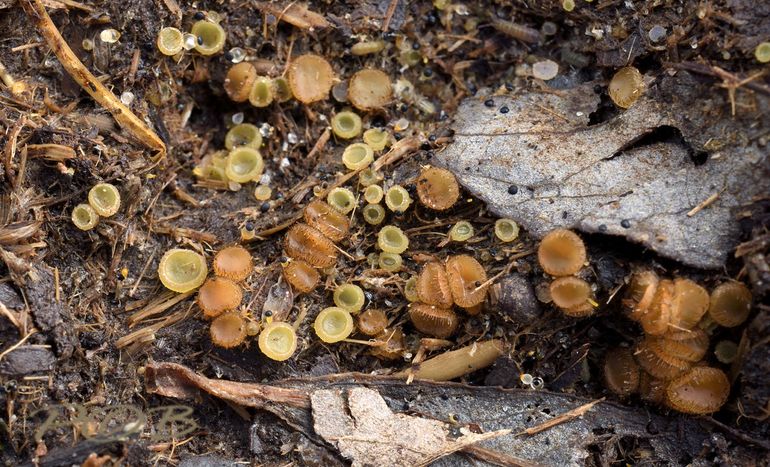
{"points": [[329, 221], [571, 294], [372, 322], [437, 188], [218, 295], [310, 245], [700, 391], [239, 81], [730, 304], [182, 270], [688, 345], [301, 276], [626, 87], [434, 321], [233, 262], [433, 286], [561, 253], [659, 364], [467, 280], [651, 389], [640, 293], [656, 318], [370, 89], [228, 330], [391, 344], [621, 372], [310, 78], [690, 303]]}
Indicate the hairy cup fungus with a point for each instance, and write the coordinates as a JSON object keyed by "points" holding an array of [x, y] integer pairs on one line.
{"points": [[656, 318], [700, 391], [210, 37], [640, 293], [467, 280], [690, 303], [346, 125], [432, 320], [410, 290], [310, 245], [84, 217], [357, 156], [762, 52], [349, 297], [726, 351], [233, 262], [397, 199], [182, 270], [278, 341], [561, 253], [333, 324], [170, 41], [626, 87], [282, 90], [218, 295], [228, 330], [376, 139], [652, 389], [390, 262], [506, 230], [301, 276], [437, 188], [262, 192], [571, 294], [310, 78], [661, 365], [239, 81], [367, 47], [391, 239], [261, 92], [373, 214], [244, 134], [341, 199], [433, 286], [372, 322], [730, 304], [373, 194], [391, 344], [330, 221], [105, 199], [369, 89], [461, 231], [690, 345], [244, 164], [621, 372]]}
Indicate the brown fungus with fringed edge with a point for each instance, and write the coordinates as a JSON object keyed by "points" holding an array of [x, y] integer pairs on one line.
{"points": [[233, 262], [432, 320], [700, 391], [621, 372], [561, 253], [467, 280], [218, 295], [302, 277], [432, 286], [437, 188]]}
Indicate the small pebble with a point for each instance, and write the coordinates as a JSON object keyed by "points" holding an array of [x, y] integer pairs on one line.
{"points": [[489, 102], [504, 109], [513, 189], [625, 223]]}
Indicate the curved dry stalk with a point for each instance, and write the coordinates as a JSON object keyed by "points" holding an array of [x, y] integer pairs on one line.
{"points": [[122, 114]]}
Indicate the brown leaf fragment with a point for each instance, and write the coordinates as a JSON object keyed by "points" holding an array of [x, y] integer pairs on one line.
{"points": [[295, 14], [366, 431]]}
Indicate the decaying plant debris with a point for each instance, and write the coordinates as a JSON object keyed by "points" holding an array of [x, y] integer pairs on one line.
{"points": [[676, 183]]}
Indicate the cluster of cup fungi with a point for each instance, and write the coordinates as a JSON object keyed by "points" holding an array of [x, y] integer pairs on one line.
{"points": [[667, 365], [103, 201]]}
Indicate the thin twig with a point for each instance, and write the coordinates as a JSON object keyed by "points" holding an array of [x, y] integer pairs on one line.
{"points": [[558, 420]]}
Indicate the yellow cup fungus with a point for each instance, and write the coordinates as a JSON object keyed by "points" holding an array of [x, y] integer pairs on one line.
{"points": [[218, 295], [626, 87], [397, 199], [376, 139], [391, 239], [373, 214], [182, 270], [310, 78], [357, 156], [373, 194], [210, 37], [233, 262], [410, 290], [228, 330], [349, 297], [243, 134], [341, 199], [346, 124], [506, 230], [105, 199], [84, 217], [333, 324], [239, 81], [262, 193], [369, 176], [461, 231], [281, 89], [762, 52], [390, 262], [278, 341], [370, 89], [244, 164], [367, 47], [170, 41], [261, 93]]}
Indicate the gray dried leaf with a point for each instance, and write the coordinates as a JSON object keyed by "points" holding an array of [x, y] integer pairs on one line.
{"points": [[601, 178]]}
